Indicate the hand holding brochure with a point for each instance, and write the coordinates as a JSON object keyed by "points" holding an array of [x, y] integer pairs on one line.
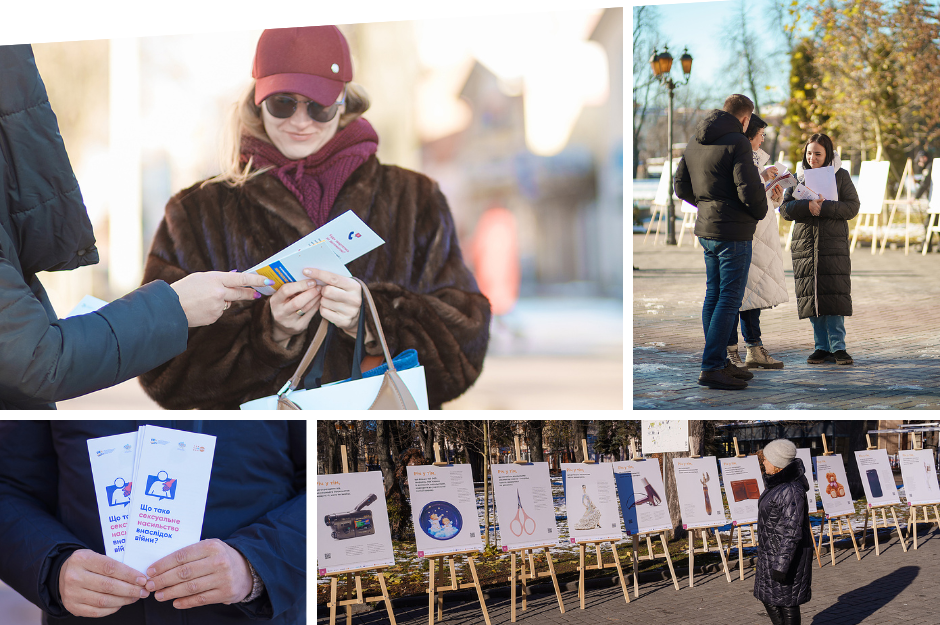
{"points": [[803, 193], [783, 178]]}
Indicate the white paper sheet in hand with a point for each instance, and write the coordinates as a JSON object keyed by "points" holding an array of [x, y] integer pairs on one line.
{"points": [[822, 180], [169, 499], [112, 465]]}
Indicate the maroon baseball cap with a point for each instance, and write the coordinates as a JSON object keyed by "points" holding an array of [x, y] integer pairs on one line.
{"points": [[313, 61]]}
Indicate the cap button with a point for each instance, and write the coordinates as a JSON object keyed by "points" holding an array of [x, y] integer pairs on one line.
{"points": [[335, 68]]}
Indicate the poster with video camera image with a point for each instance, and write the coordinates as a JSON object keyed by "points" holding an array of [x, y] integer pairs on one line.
{"points": [[833, 486], [352, 523], [444, 509], [642, 496], [524, 505], [743, 487], [877, 478], [804, 454], [919, 472], [591, 501], [699, 492]]}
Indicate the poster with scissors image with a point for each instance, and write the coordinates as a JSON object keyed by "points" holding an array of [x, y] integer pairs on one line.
{"points": [[877, 478], [591, 501], [642, 496], [919, 472], [743, 487], [524, 506], [444, 509], [352, 522], [699, 492], [833, 486]]}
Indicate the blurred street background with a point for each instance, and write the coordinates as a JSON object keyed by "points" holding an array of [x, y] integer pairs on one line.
{"points": [[518, 117]]}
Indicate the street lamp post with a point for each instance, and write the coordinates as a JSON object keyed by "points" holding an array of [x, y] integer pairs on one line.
{"points": [[662, 66]]}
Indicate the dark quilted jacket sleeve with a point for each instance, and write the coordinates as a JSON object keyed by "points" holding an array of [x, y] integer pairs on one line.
{"points": [[791, 510]]}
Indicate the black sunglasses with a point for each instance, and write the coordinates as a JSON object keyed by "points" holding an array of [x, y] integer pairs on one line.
{"points": [[283, 106]]}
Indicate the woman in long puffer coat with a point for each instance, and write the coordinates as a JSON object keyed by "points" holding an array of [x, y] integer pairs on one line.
{"points": [[785, 552]]}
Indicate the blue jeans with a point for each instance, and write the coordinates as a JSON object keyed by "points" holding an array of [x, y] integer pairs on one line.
{"points": [[750, 328], [829, 332], [726, 267]]}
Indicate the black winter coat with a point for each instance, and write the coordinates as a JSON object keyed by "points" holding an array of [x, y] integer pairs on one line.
{"points": [[44, 227], [785, 551], [256, 503], [820, 249], [717, 175]]}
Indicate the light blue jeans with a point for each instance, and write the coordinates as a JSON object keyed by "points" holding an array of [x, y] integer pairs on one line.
{"points": [[829, 332]]}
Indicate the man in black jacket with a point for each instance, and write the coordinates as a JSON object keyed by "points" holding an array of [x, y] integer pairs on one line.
{"points": [[717, 174]]}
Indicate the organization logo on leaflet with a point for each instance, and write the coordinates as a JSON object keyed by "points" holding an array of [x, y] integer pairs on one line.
{"points": [[161, 486], [354, 234], [120, 493]]}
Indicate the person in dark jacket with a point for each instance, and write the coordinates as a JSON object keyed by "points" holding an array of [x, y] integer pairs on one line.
{"points": [[44, 227], [717, 175], [785, 551], [820, 249], [253, 532]]}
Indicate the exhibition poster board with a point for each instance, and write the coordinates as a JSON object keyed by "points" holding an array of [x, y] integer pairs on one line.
{"points": [[804, 454], [591, 501], [444, 509], [664, 436], [743, 487], [699, 492], [352, 523], [834, 486], [642, 496], [525, 509], [877, 478], [919, 473]]}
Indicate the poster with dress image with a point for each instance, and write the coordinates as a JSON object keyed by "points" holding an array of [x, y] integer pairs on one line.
{"points": [[642, 496], [591, 500], [352, 523], [699, 492], [744, 484], [804, 454], [525, 509], [833, 486], [444, 509], [877, 478], [919, 472]]}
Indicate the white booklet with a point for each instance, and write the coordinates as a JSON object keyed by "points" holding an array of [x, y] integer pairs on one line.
{"points": [[802, 193], [822, 181], [171, 471], [112, 466], [783, 178], [330, 247]]}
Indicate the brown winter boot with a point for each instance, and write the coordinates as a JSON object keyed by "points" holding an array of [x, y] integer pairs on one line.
{"points": [[757, 356]]}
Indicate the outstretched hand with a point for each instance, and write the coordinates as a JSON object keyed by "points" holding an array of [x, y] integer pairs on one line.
{"points": [[205, 296]]}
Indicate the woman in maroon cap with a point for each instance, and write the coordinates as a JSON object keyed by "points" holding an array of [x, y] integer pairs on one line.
{"points": [[299, 155]]}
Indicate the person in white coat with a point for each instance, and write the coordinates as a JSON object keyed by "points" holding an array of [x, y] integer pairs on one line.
{"points": [[765, 287]]}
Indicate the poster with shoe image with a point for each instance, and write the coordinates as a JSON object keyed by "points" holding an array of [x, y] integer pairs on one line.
{"points": [[877, 478], [834, 486], [524, 506], [919, 472], [699, 492], [743, 487], [804, 454], [642, 496], [591, 501], [444, 509], [352, 523]]}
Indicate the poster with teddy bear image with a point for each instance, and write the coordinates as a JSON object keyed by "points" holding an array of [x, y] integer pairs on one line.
{"points": [[833, 486]]}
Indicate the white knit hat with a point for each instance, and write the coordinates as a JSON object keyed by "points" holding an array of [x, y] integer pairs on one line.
{"points": [[780, 452]]}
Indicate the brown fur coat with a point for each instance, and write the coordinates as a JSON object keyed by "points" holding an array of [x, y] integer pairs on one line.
{"points": [[426, 297]]}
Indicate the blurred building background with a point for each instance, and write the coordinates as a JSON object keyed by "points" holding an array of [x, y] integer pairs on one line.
{"points": [[517, 112]]}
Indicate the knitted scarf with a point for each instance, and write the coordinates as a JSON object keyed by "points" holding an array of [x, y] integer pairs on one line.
{"points": [[316, 180]]}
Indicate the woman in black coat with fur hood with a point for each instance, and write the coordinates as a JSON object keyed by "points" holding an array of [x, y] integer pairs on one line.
{"points": [[785, 552]]}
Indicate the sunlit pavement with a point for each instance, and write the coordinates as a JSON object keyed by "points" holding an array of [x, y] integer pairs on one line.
{"points": [[893, 336]]}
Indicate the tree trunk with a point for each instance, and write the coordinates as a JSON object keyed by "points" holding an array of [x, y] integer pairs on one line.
{"points": [[856, 442], [696, 429], [579, 429], [486, 482], [331, 442], [383, 451], [394, 439], [534, 441]]}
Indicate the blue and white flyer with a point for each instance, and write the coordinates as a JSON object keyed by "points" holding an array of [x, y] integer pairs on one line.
{"points": [[112, 466], [168, 502]]}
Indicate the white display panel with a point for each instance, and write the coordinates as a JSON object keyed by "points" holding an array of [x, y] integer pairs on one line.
{"points": [[524, 505], [642, 496], [444, 509], [834, 486], [699, 492], [877, 478], [664, 436], [591, 500], [919, 472], [804, 454], [743, 487], [352, 523]]}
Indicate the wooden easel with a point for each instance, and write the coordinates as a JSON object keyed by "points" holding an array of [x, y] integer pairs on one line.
{"points": [[840, 532], [912, 520], [354, 575], [582, 566], [528, 552], [704, 530], [908, 203], [873, 513], [648, 536], [433, 588], [752, 527]]}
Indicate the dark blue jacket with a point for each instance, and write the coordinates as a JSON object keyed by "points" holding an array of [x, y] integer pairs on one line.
{"points": [[256, 503], [44, 227]]}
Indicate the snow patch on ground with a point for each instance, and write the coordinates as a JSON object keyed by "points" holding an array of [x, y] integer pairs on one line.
{"points": [[877, 407], [650, 367], [799, 406], [766, 407], [912, 387]]}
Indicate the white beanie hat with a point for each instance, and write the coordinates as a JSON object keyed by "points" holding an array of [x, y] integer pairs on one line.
{"points": [[780, 452]]}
